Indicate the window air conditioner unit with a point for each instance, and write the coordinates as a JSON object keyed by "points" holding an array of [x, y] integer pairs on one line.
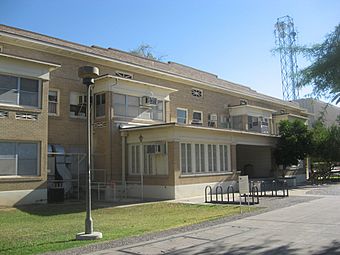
{"points": [[148, 101], [213, 117]]}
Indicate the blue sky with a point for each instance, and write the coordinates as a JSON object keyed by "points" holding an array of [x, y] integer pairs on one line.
{"points": [[232, 39]]}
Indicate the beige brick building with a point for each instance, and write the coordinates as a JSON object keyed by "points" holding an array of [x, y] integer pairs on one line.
{"points": [[170, 127]]}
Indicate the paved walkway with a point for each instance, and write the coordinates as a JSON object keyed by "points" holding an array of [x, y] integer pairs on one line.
{"points": [[311, 227]]}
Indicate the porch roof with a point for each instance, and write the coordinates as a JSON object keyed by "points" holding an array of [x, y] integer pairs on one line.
{"points": [[193, 127]]}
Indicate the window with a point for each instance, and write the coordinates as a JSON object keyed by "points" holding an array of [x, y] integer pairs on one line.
{"points": [[78, 104], [100, 105], [182, 115], [197, 118], [212, 159], [129, 106], [205, 159], [199, 158], [19, 159], [53, 101], [134, 159], [186, 166], [212, 120], [223, 158], [119, 104], [153, 163], [19, 91], [225, 122], [158, 111]]}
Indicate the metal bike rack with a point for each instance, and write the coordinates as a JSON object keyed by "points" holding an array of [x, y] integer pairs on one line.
{"points": [[208, 189], [219, 190], [230, 189]]}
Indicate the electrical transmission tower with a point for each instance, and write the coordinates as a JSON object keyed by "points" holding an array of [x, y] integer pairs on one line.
{"points": [[285, 39]]}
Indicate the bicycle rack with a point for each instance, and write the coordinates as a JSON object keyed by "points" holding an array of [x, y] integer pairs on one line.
{"points": [[231, 189], [219, 188], [218, 198], [274, 189], [206, 194]]}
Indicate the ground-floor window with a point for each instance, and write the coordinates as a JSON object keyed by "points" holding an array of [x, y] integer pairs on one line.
{"points": [[19, 158], [153, 158], [197, 158]]}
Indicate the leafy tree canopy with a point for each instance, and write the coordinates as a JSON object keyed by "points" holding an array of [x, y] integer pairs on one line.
{"points": [[324, 72], [294, 143], [326, 143]]}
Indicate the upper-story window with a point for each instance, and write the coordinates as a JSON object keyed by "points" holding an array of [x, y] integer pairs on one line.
{"points": [[53, 102], [212, 120], [19, 91], [100, 105], [197, 118], [130, 106], [182, 116], [78, 102]]}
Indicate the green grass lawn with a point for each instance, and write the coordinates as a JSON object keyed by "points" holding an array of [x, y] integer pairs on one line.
{"points": [[41, 228]]}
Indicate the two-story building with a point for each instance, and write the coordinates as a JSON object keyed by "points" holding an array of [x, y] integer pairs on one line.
{"points": [[161, 129]]}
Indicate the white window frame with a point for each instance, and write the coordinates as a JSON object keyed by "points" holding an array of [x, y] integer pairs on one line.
{"points": [[186, 114], [210, 121], [139, 116], [185, 168], [18, 89], [198, 122], [200, 167], [134, 159], [57, 103]]}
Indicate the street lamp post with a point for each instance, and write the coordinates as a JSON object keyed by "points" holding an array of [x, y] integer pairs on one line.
{"points": [[88, 73]]}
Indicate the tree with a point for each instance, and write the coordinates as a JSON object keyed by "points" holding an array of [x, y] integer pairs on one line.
{"points": [[145, 51], [293, 145], [326, 144], [324, 72]]}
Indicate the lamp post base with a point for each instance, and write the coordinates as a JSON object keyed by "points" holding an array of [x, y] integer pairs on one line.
{"points": [[92, 236]]}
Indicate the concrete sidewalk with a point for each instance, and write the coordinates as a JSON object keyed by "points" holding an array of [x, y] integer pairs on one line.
{"points": [[307, 228]]}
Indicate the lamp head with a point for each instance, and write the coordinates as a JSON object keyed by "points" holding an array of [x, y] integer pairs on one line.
{"points": [[88, 73]]}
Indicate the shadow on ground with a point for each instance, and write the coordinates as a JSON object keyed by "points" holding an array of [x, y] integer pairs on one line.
{"points": [[263, 249], [68, 207]]}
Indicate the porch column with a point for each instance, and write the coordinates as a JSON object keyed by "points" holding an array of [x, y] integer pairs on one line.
{"points": [[124, 135], [233, 158]]}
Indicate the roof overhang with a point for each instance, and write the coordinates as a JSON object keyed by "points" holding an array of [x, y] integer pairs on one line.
{"points": [[10, 64], [186, 133], [251, 110], [131, 87]]}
